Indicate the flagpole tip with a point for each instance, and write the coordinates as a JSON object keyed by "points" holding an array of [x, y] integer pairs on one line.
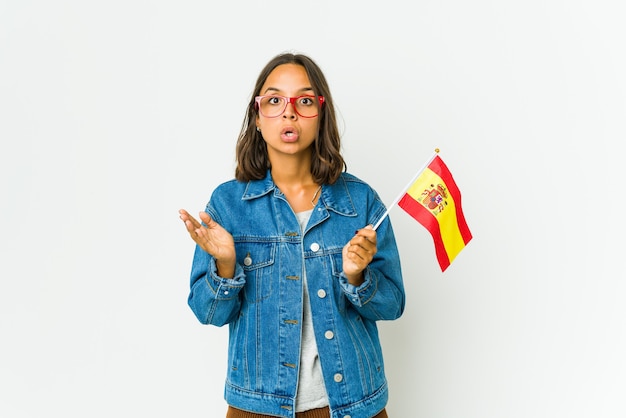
{"points": [[437, 150]]}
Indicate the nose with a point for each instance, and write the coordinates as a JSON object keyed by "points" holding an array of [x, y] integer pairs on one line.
{"points": [[290, 111]]}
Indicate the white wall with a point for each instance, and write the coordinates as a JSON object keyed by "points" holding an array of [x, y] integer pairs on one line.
{"points": [[115, 114]]}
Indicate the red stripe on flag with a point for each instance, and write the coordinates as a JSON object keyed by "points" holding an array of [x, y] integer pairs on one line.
{"points": [[428, 221], [440, 168]]}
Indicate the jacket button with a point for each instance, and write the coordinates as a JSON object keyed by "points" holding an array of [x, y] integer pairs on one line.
{"points": [[315, 247], [321, 293], [338, 377], [247, 261], [329, 335]]}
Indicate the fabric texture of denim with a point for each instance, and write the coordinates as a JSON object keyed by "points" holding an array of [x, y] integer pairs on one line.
{"points": [[262, 304]]}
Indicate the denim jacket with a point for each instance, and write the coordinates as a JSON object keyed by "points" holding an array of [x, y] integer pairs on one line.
{"points": [[262, 304]]}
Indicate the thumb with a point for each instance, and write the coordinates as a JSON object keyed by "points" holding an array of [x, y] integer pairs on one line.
{"points": [[206, 218]]}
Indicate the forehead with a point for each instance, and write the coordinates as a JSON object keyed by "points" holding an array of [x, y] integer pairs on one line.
{"points": [[287, 77]]}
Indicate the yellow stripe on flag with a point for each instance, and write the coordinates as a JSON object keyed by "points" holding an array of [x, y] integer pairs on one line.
{"points": [[448, 225]]}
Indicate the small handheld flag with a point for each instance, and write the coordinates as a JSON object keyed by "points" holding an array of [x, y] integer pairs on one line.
{"points": [[434, 200]]}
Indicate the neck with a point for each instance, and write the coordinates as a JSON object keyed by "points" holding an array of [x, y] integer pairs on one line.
{"points": [[297, 184], [292, 172]]}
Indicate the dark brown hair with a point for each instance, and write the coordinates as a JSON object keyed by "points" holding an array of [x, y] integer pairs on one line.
{"points": [[327, 162]]}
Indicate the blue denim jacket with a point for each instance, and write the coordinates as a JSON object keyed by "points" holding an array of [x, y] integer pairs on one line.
{"points": [[262, 304]]}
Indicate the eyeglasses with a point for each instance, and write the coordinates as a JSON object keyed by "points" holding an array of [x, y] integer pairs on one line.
{"points": [[273, 106]]}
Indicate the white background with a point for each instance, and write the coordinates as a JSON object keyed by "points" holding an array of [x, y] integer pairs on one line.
{"points": [[113, 115]]}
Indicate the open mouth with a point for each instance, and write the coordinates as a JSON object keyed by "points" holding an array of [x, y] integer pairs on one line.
{"points": [[289, 134]]}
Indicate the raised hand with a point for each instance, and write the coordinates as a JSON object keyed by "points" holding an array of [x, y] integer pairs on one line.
{"points": [[213, 239]]}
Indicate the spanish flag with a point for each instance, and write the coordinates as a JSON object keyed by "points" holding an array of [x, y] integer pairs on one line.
{"points": [[434, 200]]}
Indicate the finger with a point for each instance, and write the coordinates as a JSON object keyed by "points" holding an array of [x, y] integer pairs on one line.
{"points": [[183, 215], [364, 243], [200, 235], [363, 249], [191, 225], [190, 221], [354, 263], [206, 218], [355, 256], [368, 232]]}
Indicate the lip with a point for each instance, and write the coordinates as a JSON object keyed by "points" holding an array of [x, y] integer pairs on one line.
{"points": [[289, 134]]}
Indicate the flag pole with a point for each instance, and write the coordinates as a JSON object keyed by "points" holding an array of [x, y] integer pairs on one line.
{"points": [[432, 157]]}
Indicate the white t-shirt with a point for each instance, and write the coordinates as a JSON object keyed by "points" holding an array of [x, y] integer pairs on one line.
{"points": [[311, 392]]}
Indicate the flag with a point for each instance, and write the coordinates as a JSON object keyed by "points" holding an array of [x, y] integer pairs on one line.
{"points": [[434, 200]]}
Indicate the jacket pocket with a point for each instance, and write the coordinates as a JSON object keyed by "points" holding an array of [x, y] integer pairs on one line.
{"points": [[258, 262]]}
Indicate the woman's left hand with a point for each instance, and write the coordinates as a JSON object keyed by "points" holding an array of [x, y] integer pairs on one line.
{"points": [[358, 253]]}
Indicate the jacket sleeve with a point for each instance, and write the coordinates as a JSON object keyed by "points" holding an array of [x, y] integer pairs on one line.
{"points": [[213, 299], [381, 296]]}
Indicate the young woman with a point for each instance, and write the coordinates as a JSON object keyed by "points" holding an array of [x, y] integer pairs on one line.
{"points": [[277, 259]]}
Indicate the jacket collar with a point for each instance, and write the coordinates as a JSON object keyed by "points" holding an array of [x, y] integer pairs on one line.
{"points": [[334, 197]]}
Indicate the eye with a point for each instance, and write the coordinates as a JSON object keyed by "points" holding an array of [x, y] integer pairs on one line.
{"points": [[274, 100], [306, 100]]}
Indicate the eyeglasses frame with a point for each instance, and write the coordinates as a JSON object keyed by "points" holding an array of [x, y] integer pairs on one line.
{"points": [[292, 100]]}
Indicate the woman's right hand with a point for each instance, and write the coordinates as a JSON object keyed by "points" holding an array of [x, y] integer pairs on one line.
{"points": [[213, 239]]}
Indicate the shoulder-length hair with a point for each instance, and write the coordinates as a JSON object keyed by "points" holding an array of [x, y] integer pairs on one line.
{"points": [[327, 162]]}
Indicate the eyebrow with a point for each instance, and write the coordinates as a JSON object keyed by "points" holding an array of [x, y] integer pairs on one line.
{"points": [[276, 90]]}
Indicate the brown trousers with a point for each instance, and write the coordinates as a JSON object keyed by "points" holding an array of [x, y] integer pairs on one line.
{"points": [[313, 413]]}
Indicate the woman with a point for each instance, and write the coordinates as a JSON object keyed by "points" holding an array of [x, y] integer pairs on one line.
{"points": [[277, 259]]}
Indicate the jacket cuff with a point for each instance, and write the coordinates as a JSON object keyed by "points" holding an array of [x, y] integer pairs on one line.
{"points": [[224, 288], [361, 294]]}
